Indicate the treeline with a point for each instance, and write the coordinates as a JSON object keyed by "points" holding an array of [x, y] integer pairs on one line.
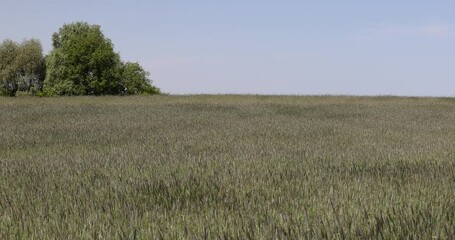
{"points": [[82, 62]]}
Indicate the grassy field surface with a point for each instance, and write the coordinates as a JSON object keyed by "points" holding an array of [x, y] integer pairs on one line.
{"points": [[227, 167]]}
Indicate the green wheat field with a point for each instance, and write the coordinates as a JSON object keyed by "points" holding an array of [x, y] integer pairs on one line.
{"points": [[227, 167]]}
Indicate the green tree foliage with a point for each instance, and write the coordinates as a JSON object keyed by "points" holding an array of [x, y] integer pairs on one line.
{"points": [[22, 67], [136, 80], [32, 66], [83, 62], [8, 54]]}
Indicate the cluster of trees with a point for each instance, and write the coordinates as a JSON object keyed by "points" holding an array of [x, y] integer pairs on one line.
{"points": [[22, 67], [82, 62]]}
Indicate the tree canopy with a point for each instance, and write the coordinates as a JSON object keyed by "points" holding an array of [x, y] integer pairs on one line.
{"points": [[82, 62], [22, 67], [136, 80]]}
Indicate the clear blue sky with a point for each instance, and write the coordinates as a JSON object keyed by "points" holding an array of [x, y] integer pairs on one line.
{"points": [[265, 47]]}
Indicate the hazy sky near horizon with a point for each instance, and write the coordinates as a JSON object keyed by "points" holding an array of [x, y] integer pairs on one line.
{"points": [[265, 47]]}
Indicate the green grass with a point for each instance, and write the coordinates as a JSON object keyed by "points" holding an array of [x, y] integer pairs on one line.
{"points": [[228, 167]]}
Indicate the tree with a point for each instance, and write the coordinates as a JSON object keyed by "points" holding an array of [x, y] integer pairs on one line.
{"points": [[22, 67], [31, 66], [136, 80], [83, 62], [8, 54]]}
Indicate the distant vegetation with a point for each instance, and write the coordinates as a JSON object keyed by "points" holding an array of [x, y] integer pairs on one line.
{"points": [[82, 62], [22, 67], [227, 167]]}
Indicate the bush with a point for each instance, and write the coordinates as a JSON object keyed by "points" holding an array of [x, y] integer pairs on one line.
{"points": [[136, 80]]}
